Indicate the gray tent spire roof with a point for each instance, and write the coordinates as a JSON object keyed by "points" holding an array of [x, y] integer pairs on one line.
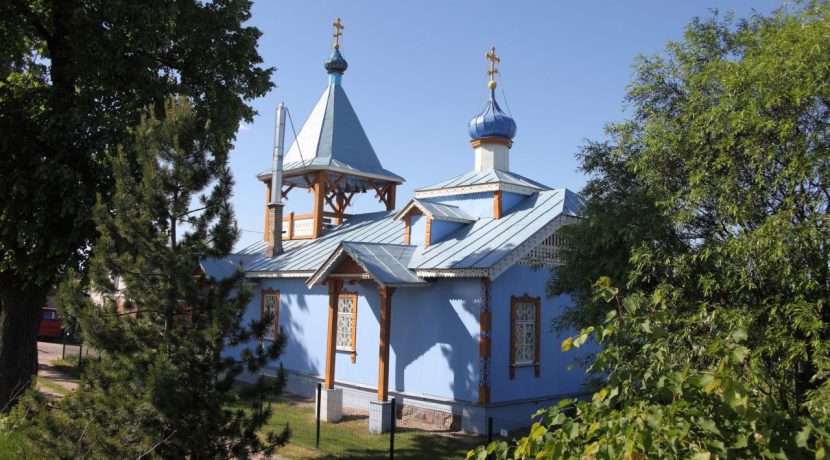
{"points": [[333, 139]]}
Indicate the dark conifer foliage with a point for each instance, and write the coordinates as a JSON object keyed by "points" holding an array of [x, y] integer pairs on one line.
{"points": [[162, 386]]}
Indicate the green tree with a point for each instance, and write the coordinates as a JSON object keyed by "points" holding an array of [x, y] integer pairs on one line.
{"points": [[719, 343], [74, 78], [620, 214], [162, 385]]}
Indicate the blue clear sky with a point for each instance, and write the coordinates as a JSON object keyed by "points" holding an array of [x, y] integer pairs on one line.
{"points": [[417, 75]]}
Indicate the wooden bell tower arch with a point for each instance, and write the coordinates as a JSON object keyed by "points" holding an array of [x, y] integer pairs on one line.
{"points": [[332, 193]]}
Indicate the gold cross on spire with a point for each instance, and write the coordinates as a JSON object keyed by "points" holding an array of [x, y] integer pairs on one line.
{"points": [[491, 56], [338, 27]]}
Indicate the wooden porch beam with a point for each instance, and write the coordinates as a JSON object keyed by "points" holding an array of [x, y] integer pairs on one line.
{"points": [[331, 204], [385, 337], [286, 190], [390, 197], [331, 341], [333, 184]]}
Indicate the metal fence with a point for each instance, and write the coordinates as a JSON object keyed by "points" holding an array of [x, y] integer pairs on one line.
{"points": [[418, 430]]}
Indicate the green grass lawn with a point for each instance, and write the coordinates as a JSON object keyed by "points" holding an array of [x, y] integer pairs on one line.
{"points": [[68, 365], [54, 387], [350, 438]]}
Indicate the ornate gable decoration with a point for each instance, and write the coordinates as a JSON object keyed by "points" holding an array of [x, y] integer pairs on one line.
{"points": [[546, 254]]}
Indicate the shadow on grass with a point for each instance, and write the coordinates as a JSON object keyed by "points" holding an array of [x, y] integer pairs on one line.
{"points": [[68, 365]]}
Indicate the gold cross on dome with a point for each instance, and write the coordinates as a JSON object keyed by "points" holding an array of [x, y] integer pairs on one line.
{"points": [[491, 56], [338, 27]]}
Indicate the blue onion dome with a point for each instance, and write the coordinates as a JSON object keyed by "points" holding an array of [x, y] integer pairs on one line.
{"points": [[492, 122], [335, 63]]}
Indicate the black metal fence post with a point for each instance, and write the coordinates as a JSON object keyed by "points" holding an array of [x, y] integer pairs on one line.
{"points": [[489, 430], [392, 431], [81, 355], [319, 393], [63, 349]]}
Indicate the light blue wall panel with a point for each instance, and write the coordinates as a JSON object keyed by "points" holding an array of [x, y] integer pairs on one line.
{"points": [[304, 319], [555, 378], [435, 339], [509, 200], [474, 204], [418, 233], [365, 368], [441, 228]]}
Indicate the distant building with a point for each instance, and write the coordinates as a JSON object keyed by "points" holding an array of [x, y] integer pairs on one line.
{"points": [[441, 301]]}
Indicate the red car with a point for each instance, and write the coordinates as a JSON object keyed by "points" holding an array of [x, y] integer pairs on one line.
{"points": [[50, 324]]}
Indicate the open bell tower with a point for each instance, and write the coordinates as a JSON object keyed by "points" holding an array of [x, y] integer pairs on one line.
{"points": [[332, 158]]}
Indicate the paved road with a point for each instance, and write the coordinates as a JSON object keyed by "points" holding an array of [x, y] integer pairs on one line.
{"points": [[48, 352]]}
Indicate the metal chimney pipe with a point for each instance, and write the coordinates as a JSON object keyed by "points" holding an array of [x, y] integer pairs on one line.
{"points": [[276, 167], [275, 206]]}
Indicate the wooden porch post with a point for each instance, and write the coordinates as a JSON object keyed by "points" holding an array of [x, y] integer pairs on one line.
{"points": [[385, 327], [334, 290], [484, 344]]}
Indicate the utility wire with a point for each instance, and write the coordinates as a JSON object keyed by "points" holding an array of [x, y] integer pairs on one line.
{"points": [[296, 142]]}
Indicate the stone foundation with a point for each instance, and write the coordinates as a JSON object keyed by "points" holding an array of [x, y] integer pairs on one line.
{"points": [[430, 417]]}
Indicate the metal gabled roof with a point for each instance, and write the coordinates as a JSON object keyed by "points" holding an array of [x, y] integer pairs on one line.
{"points": [[437, 211], [485, 243], [385, 263], [486, 247], [305, 256], [486, 177], [332, 138]]}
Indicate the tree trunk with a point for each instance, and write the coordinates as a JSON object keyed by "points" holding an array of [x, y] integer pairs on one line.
{"points": [[19, 324]]}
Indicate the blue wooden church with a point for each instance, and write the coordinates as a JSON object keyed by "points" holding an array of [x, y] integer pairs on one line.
{"points": [[440, 301]]}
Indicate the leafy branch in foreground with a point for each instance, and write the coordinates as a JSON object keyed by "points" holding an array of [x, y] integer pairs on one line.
{"points": [[656, 404]]}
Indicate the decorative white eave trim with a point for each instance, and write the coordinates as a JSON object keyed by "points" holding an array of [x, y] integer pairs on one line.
{"points": [[479, 188], [523, 249], [452, 273], [295, 172], [279, 274], [413, 203]]}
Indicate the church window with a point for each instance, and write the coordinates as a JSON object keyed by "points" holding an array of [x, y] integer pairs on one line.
{"points": [[270, 307], [524, 333], [347, 322]]}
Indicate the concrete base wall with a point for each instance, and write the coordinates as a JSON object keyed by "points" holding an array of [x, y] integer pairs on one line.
{"points": [[431, 412], [331, 405]]}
